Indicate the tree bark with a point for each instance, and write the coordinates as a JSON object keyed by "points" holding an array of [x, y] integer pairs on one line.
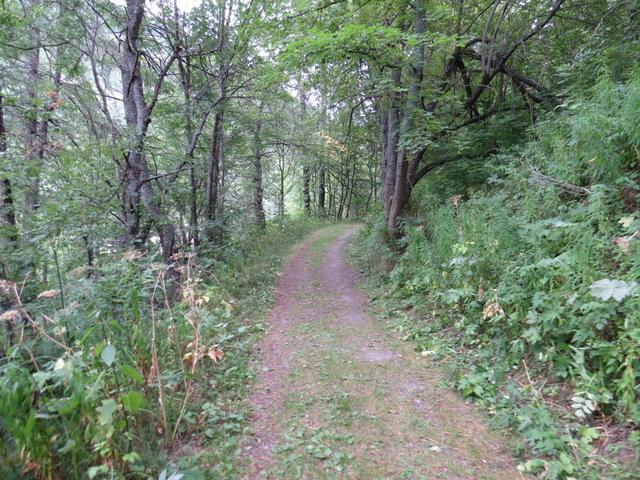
{"points": [[257, 179], [213, 178], [383, 120], [403, 184], [391, 144], [184, 65], [281, 197], [306, 194], [306, 171], [9, 235], [47, 112], [8, 228], [282, 150], [135, 175], [90, 253], [321, 191], [32, 190], [352, 186], [37, 121]]}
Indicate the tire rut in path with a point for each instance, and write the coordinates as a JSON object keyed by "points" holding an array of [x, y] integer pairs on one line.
{"points": [[339, 397]]}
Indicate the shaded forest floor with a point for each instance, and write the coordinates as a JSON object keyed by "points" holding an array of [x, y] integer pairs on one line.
{"points": [[339, 397]]}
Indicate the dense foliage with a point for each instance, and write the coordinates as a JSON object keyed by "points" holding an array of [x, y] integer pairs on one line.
{"points": [[533, 278], [126, 379], [151, 162], [157, 158]]}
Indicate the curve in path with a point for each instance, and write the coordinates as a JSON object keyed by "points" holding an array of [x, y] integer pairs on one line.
{"points": [[339, 397]]}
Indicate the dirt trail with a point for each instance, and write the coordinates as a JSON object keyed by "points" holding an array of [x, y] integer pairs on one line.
{"points": [[339, 397]]}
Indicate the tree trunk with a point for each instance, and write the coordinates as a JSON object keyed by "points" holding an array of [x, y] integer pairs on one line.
{"points": [[306, 176], [194, 232], [306, 171], [185, 81], [133, 102], [332, 197], [37, 125], [282, 168], [352, 186], [257, 179], [343, 192], [213, 178], [48, 109], [90, 254], [321, 191], [373, 193], [32, 190], [138, 184], [8, 228], [403, 183], [391, 146], [9, 235], [383, 120]]}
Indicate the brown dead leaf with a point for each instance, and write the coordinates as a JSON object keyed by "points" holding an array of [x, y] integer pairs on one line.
{"points": [[132, 255], [7, 287], [11, 316], [188, 358], [30, 467], [182, 255], [492, 309], [215, 354], [455, 199], [48, 294], [625, 242]]}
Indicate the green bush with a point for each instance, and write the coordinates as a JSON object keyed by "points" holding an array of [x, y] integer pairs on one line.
{"points": [[130, 367], [523, 270]]}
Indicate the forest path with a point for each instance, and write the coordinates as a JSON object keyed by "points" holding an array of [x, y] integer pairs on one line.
{"points": [[339, 397]]}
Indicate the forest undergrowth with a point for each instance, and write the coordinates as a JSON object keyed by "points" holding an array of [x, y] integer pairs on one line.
{"points": [[157, 160], [136, 369], [526, 284]]}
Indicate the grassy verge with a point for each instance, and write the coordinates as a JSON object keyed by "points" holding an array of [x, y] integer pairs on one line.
{"points": [[127, 378], [522, 396]]}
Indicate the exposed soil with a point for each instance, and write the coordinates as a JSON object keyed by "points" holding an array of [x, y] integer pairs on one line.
{"points": [[340, 397]]}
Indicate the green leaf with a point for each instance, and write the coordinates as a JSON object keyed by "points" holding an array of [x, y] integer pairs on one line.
{"points": [[617, 289], [133, 401], [106, 411], [93, 471], [68, 405], [131, 457], [108, 355], [132, 373], [68, 446]]}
